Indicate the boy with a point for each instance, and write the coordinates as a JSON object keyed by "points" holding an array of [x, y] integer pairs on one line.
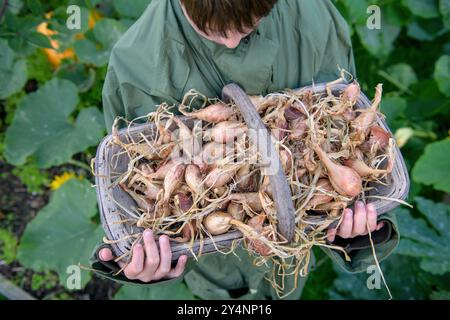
{"points": [[265, 46]]}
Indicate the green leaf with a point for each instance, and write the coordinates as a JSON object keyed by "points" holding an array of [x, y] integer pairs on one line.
{"points": [[357, 10], [396, 14], [83, 77], [403, 73], [88, 52], [106, 33], [422, 8], [393, 107], [440, 295], [433, 167], [379, 42], [175, 291], [442, 74], [444, 9], [426, 30], [42, 128], [14, 6], [427, 101], [8, 246], [131, 9], [403, 275], [13, 71], [63, 232], [35, 6], [37, 39], [423, 242], [437, 214], [32, 177]]}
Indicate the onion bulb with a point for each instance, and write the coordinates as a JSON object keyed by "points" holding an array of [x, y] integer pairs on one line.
{"points": [[173, 180], [345, 180], [214, 113], [218, 222], [320, 198], [361, 125], [193, 178]]}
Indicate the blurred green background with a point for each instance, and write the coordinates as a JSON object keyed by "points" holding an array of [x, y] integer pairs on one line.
{"points": [[51, 122]]}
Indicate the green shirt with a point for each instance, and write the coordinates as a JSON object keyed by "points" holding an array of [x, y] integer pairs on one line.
{"points": [[161, 57]]}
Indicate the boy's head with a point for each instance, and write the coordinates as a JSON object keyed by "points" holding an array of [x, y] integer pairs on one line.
{"points": [[226, 21]]}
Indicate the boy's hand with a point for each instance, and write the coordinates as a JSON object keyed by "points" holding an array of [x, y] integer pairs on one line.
{"points": [[149, 263], [355, 224]]}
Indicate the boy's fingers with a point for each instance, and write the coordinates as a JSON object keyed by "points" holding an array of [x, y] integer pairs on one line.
{"points": [[151, 251], [345, 230], [359, 219], [380, 225], [137, 262], [331, 234], [165, 261], [371, 217], [105, 254], [179, 268]]}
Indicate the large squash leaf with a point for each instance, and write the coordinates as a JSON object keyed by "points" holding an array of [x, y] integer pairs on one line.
{"points": [[63, 233], [429, 244], [97, 51], [433, 167], [174, 291], [426, 29], [356, 11], [42, 126], [379, 42], [421, 8], [13, 71], [394, 107], [403, 73], [403, 275]]}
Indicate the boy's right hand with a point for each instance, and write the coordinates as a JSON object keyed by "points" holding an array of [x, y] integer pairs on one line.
{"points": [[149, 263]]}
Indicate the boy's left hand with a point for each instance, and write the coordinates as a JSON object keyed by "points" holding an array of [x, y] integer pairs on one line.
{"points": [[355, 224]]}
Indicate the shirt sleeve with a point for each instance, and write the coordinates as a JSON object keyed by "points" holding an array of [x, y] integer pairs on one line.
{"points": [[126, 100], [330, 40]]}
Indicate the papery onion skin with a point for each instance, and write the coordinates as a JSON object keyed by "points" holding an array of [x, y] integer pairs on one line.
{"points": [[321, 198], [250, 198], [236, 210], [214, 113], [362, 124], [345, 180], [351, 94], [226, 131], [193, 178], [173, 180], [217, 222], [256, 223]]}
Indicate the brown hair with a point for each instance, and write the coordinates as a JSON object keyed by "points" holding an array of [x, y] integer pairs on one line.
{"points": [[220, 16]]}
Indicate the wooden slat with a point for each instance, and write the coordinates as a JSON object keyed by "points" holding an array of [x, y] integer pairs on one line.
{"points": [[269, 157]]}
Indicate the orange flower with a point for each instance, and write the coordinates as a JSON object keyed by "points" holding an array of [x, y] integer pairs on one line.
{"points": [[54, 56]]}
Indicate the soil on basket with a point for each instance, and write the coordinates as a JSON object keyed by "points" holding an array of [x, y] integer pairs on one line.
{"points": [[17, 208]]}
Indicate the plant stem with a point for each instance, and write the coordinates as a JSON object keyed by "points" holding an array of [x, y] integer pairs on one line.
{"points": [[79, 164], [392, 80]]}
